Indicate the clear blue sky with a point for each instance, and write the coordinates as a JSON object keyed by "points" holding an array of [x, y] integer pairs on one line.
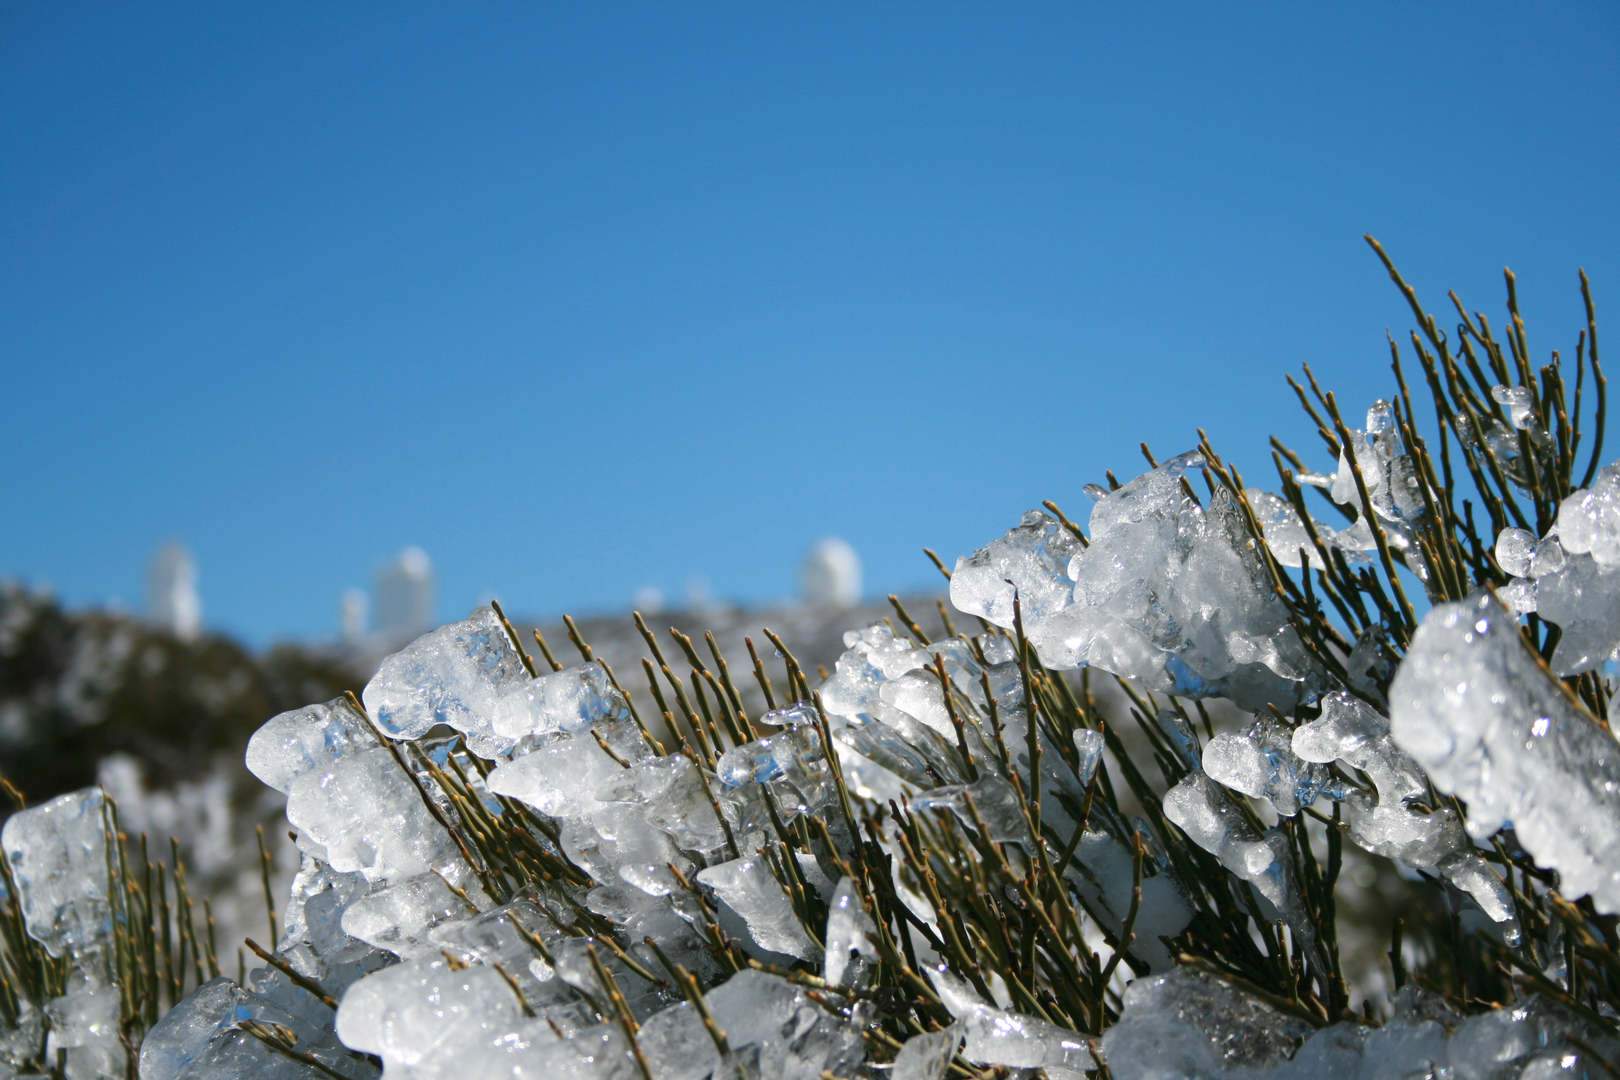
{"points": [[582, 299]]}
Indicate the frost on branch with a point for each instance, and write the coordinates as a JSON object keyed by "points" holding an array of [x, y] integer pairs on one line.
{"points": [[1488, 722], [1168, 592], [1570, 577], [1125, 843]]}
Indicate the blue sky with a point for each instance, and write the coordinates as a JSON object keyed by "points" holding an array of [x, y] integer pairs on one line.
{"points": [[582, 300]]}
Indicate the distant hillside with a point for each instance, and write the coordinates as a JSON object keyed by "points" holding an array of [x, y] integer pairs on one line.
{"points": [[78, 686]]}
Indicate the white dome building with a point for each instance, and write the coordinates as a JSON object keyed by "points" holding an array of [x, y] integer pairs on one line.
{"points": [[402, 606], [171, 592], [352, 616], [831, 575]]}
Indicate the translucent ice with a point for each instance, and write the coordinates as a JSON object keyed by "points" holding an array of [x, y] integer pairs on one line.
{"points": [[1391, 480], [563, 776], [799, 714], [1571, 576], [851, 957], [370, 818], [677, 1045], [1290, 541], [1589, 519], [795, 1037], [203, 1037], [1088, 745], [1474, 707], [499, 935], [748, 888], [455, 675], [1031, 560], [1520, 404], [84, 1030], [569, 700], [418, 1016], [670, 792], [927, 1056], [1168, 592], [1351, 731], [993, 1036], [397, 915], [790, 764], [1188, 1023], [58, 855], [305, 740], [1514, 547], [1210, 819], [994, 800], [871, 657], [1260, 763]]}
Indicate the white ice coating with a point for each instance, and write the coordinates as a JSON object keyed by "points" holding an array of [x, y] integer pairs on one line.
{"points": [[58, 857], [749, 889], [850, 954], [455, 675], [202, 1038], [1211, 820], [1167, 592], [1476, 709], [445, 973], [1260, 763], [569, 700], [306, 740], [419, 1016], [370, 818], [1192, 1024], [1570, 577], [993, 1036], [1031, 561], [1351, 731]]}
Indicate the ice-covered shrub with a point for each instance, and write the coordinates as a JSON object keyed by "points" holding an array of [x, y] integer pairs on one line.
{"points": [[1124, 810]]}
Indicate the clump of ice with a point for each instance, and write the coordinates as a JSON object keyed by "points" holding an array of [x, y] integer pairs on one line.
{"points": [[1260, 763], [456, 675], [58, 857], [1088, 747], [994, 1036], [1031, 561], [850, 954], [1199, 807], [1167, 592], [1189, 1023], [569, 700], [1571, 576], [1290, 541], [749, 888], [1475, 708], [1433, 840], [205, 1036]]}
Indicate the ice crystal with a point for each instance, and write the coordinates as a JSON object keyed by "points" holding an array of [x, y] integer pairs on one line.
{"points": [[1481, 715]]}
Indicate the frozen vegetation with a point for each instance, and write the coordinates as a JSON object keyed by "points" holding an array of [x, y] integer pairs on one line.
{"points": [[1121, 810]]}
